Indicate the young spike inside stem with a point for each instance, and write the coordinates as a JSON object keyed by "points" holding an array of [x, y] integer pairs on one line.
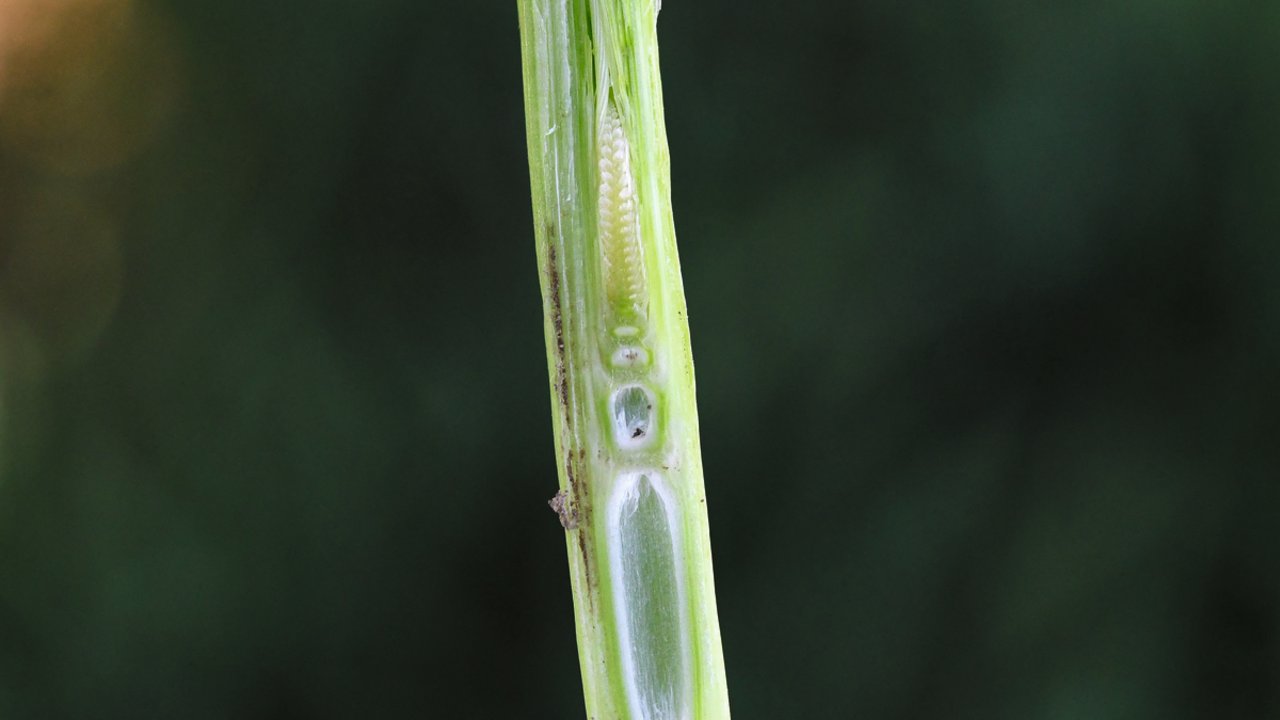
{"points": [[617, 220], [625, 419]]}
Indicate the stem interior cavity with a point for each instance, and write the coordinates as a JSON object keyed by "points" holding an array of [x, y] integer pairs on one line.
{"points": [[647, 571], [633, 424]]}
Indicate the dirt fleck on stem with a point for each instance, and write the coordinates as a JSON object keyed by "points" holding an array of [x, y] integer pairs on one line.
{"points": [[564, 508]]}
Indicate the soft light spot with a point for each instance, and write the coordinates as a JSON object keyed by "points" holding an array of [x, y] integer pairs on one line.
{"points": [[63, 268]]}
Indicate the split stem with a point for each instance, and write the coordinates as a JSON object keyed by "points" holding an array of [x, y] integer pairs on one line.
{"points": [[622, 387]]}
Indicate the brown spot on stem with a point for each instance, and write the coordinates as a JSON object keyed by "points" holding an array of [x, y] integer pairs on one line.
{"points": [[556, 305], [579, 498], [576, 499]]}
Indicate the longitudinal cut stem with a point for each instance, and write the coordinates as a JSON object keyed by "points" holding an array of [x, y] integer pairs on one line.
{"points": [[626, 426]]}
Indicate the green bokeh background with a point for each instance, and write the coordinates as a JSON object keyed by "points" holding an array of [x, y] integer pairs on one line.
{"points": [[985, 300]]}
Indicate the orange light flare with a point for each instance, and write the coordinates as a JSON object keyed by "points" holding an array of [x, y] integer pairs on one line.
{"points": [[86, 87], [84, 84]]}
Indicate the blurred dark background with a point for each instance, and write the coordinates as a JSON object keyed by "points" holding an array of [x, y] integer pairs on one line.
{"points": [[985, 302]]}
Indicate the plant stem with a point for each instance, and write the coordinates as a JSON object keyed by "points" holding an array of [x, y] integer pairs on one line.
{"points": [[626, 427]]}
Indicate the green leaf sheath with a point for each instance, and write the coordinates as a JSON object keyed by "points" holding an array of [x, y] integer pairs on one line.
{"points": [[622, 388]]}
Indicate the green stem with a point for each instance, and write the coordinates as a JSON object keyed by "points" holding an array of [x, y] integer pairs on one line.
{"points": [[626, 426]]}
